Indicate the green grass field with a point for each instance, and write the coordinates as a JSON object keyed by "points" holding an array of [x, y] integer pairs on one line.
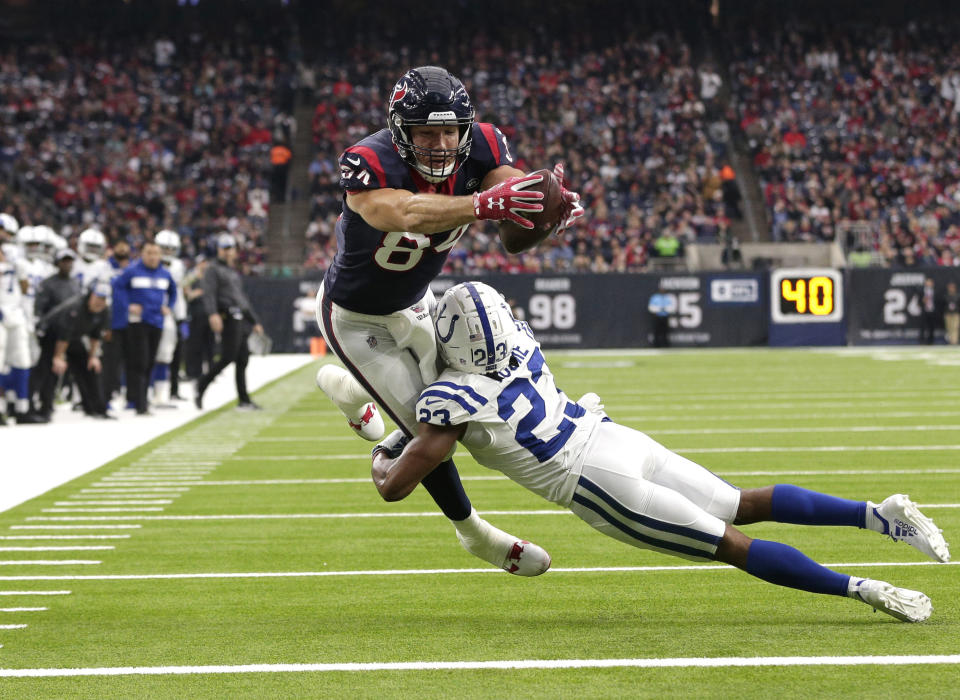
{"points": [[257, 539]]}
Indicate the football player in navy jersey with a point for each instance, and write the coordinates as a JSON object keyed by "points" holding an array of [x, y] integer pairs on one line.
{"points": [[498, 397], [411, 191]]}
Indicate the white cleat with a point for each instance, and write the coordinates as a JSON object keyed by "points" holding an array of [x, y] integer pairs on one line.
{"points": [[903, 521], [352, 400], [517, 557], [901, 603]]}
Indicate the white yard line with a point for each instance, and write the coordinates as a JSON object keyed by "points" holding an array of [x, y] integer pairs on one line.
{"points": [[427, 572], [683, 450], [681, 662], [78, 548], [325, 516], [774, 417], [172, 490], [146, 509], [108, 479], [806, 429], [49, 562], [12, 627], [494, 477], [73, 504], [19, 593], [64, 537], [74, 527], [23, 609]]}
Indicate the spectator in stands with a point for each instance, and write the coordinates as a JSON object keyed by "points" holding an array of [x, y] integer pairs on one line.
{"points": [[280, 157]]}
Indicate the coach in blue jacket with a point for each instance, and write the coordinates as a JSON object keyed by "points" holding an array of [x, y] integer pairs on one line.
{"points": [[147, 292]]}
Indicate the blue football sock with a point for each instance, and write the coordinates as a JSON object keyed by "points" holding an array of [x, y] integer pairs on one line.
{"points": [[443, 485], [785, 566], [792, 504]]}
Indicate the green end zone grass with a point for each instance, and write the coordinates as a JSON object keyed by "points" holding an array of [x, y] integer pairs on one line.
{"points": [[855, 419]]}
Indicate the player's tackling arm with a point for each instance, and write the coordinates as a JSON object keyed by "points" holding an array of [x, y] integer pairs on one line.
{"points": [[396, 479]]}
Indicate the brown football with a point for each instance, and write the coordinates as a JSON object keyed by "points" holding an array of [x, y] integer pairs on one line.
{"points": [[516, 238]]}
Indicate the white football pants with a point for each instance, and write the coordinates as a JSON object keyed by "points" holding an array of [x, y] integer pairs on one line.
{"points": [[393, 356], [635, 490]]}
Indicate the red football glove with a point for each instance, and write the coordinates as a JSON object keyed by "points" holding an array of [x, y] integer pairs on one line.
{"points": [[508, 200], [573, 209]]}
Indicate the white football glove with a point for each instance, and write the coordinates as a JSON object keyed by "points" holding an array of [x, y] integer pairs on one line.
{"points": [[392, 445]]}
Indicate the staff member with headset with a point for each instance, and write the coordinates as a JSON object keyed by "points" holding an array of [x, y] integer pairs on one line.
{"points": [[73, 330], [231, 316], [146, 290]]}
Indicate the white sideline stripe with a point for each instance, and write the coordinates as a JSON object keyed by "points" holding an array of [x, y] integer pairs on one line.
{"points": [[112, 503], [805, 429], [804, 472], [681, 662], [64, 537], [78, 548], [150, 509], [334, 516], [774, 417], [687, 450], [12, 627], [824, 448], [74, 527], [23, 609], [427, 572], [48, 562], [702, 431], [167, 463], [34, 592]]}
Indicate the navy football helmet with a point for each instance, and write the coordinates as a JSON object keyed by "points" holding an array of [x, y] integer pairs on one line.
{"points": [[430, 96]]}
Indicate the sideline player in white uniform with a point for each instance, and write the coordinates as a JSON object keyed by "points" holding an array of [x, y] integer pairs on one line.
{"points": [[15, 360], [169, 242], [92, 266], [498, 397]]}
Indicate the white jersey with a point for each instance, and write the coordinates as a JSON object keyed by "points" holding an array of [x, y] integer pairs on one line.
{"points": [[88, 273], [177, 272], [520, 424], [11, 296], [11, 251], [35, 272]]}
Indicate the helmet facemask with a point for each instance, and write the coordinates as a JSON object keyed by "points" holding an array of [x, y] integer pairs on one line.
{"points": [[430, 96]]}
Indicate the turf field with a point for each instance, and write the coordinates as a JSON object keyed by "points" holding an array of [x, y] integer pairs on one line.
{"points": [[248, 555]]}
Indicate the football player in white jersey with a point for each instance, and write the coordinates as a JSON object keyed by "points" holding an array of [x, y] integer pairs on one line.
{"points": [[15, 331], [498, 397], [92, 266], [8, 237], [169, 242]]}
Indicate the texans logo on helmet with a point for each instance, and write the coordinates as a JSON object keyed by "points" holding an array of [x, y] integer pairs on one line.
{"points": [[399, 92]]}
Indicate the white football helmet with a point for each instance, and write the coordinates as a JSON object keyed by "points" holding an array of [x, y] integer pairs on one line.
{"points": [[91, 244], [475, 328], [46, 236], [169, 242], [30, 242], [8, 224]]}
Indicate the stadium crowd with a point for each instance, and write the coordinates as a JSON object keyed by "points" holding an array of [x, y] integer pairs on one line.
{"points": [[854, 135], [139, 134]]}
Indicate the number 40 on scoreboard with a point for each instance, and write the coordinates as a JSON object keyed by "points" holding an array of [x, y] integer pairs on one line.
{"points": [[808, 295]]}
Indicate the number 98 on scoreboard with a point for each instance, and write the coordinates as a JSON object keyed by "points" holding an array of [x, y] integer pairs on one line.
{"points": [[808, 295]]}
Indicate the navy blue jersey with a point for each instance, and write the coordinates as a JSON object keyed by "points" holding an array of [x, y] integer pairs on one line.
{"points": [[379, 272]]}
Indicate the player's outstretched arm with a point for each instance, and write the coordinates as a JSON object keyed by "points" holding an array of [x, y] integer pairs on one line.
{"points": [[399, 210], [397, 477]]}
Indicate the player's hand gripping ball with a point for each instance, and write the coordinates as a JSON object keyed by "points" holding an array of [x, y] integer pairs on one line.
{"points": [[560, 208]]}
